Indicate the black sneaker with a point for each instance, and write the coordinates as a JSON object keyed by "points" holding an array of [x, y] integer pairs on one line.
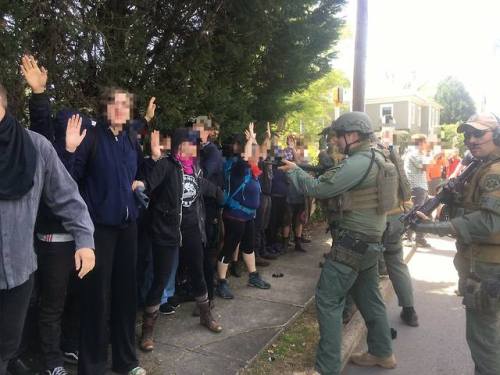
{"points": [[256, 281], [174, 302], [71, 356], [305, 240], [422, 242], [223, 290], [56, 371], [167, 309]]}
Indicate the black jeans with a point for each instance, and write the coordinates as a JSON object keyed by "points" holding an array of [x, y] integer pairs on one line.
{"points": [[109, 302], [279, 207], [261, 223], [13, 308], [163, 259], [192, 255], [59, 304], [212, 245]]}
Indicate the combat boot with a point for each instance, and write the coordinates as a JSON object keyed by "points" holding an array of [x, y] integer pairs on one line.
{"points": [[148, 325], [206, 318], [409, 316], [369, 360]]}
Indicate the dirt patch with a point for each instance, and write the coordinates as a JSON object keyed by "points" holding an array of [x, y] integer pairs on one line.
{"points": [[294, 350]]}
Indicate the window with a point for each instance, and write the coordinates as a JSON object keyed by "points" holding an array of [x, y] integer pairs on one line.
{"points": [[386, 113]]}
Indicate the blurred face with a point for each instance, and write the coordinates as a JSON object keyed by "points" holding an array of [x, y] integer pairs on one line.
{"points": [[479, 142], [290, 142], [237, 148], [187, 149], [118, 109], [422, 146]]}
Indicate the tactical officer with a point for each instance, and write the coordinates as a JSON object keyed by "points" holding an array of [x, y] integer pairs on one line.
{"points": [[476, 225], [352, 190]]}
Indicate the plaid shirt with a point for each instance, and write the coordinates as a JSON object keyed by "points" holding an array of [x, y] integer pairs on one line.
{"points": [[414, 168]]}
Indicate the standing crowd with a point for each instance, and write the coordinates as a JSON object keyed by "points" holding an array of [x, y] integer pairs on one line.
{"points": [[142, 231]]}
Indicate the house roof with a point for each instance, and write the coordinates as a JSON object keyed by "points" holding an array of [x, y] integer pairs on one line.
{"points": [[414, 98]]}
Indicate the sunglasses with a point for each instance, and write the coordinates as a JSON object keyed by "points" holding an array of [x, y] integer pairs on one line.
{"points": [[476, 133]]}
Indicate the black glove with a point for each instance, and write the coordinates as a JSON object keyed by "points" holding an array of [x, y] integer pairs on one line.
{"points": [[441, 228]]}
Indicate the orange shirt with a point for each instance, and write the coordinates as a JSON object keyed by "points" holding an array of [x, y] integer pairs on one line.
{"points": [[434, 170]]}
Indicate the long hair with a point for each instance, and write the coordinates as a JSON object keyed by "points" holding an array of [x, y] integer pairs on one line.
{"points": [[3, 94]]}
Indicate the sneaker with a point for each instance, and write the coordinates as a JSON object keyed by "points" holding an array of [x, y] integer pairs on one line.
{"points": [[56, 371], [305, 240], [409, 316], [369, 360], [223, 290], [256, 281], [167, 309], [137, 371], [71, 357], [174, 302]]}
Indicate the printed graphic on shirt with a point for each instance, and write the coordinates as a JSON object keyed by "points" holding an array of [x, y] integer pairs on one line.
{"points": [[190, 192]]}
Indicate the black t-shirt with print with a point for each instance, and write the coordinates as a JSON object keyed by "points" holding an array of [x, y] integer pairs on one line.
{"points": [[190, 194]]}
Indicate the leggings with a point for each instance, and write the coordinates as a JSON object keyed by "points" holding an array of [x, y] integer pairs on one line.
{"points": [[237, 232]]}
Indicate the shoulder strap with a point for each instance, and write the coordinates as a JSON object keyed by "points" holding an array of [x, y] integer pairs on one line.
{"points": [[372, 159]]}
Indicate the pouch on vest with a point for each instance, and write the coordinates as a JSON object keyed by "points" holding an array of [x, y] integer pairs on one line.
{"points": [[404, 187], [348, 250], [482, 296], [387, 184]]}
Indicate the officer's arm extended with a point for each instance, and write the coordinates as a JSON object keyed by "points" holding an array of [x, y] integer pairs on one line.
{"points": [[334, 182]]}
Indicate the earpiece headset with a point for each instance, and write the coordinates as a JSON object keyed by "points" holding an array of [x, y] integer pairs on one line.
{"points": [[496, 132]]}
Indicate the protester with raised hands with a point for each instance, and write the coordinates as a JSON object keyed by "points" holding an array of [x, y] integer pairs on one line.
{"points": [[105, 165], [30, 170], [55, 247], [242, 193]]}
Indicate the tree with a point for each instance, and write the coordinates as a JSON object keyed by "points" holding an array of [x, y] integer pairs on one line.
{"points": [[457, 104], [237, 60]]}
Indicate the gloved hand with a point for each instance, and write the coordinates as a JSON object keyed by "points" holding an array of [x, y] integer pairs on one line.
{"points": [[441, 228]]}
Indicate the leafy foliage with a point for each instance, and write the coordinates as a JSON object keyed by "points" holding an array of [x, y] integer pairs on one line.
{"points": [[451, 139], [238, 60], [456, 101]]}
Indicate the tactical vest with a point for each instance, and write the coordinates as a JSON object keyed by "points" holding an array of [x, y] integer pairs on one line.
{"points": [[383, 197], [489, 251]]}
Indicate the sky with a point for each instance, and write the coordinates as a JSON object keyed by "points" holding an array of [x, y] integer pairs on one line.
{"points": [[418, 43]]}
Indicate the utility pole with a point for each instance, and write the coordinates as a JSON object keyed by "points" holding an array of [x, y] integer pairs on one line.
{"points": [[359, 82]]}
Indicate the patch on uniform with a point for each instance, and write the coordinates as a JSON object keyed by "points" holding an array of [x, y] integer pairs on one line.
{"points": [[491, 182]]}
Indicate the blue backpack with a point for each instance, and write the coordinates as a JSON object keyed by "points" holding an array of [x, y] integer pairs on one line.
{"points": [[229, 200]]}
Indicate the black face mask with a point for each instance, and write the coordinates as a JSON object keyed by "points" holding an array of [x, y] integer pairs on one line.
{"points": [[17, 159]]}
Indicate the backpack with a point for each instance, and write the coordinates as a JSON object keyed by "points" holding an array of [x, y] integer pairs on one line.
{"points": [[229, 200], [387, 183], [404, 187]]}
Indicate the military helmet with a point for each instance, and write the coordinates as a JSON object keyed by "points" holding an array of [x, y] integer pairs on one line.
{"points": [[353, 122]]}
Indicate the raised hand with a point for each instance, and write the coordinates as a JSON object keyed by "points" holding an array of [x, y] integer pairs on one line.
{"points": [[155, 145], [73, 136], [150, 111], [268, 131], [35, 77]]}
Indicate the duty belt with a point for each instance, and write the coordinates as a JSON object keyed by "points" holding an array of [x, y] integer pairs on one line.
{"points": [[357, 235]]}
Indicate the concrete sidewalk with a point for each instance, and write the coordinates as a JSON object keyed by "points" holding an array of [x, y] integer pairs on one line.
{"points": [[438, 346], [251, 320]]}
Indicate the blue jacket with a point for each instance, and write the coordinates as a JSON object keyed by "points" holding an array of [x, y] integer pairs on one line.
{"points": [[105, 166]]}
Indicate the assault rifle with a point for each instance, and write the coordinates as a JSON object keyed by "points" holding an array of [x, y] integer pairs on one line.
{"points": [[445, 195]]}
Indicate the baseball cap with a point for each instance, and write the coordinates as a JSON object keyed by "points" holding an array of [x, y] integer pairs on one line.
{"points": [[480, 121]]}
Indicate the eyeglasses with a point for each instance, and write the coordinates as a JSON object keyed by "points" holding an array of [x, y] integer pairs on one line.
{"points": [[476, 133]]}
